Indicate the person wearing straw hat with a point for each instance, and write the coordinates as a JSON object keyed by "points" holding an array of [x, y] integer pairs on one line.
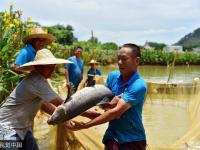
{"points": [[37, 39], [31, 94], [92, 72], [93, 69]]}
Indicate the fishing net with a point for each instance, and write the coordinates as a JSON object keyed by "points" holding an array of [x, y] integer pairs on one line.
{"points": [[182, 101], [171, 119]]}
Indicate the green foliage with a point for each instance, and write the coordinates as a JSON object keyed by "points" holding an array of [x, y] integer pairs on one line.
{"points": [[11, 34], [87, 45], [109, 46], [103, 57], [64, 34], [157, 46], [153, 57], [91, 51], [93, 40]]}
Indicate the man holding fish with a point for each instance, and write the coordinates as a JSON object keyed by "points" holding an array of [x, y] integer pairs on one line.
{"points": [[124, 113]]}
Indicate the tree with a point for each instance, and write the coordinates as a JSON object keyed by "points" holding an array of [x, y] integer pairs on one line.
{"points": [[157, 46], [110, 46], [64, 34], [93, 39]]}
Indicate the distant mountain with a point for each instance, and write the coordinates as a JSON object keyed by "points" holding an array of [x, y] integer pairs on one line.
{"points": [[190, 40]]}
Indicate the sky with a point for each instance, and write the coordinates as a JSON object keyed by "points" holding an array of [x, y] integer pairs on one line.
{"points": [[119, 21]]}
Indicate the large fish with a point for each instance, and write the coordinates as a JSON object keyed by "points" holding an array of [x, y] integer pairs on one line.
{"points": [[79, 102]]}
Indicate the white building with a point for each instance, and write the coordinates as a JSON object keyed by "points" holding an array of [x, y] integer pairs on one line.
{"points": [[171, 48], [147, 46], [197, 49]]}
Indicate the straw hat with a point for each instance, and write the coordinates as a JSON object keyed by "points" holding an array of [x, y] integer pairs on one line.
{"points": [[93, 62], [43, 57], [39, 33]]}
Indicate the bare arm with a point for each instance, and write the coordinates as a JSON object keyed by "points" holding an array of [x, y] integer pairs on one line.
{"points": [[49, 107], [109, 115], [90, 114], [67, 78], [57, 101], [17, 70]]}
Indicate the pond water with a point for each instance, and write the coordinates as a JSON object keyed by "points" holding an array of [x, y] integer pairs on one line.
{"points": [[160, 73]]}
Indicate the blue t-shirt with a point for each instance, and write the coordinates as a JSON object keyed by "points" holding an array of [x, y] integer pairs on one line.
{"points": [[129, 126], [94, 72], [75, 70], [27, 54]]}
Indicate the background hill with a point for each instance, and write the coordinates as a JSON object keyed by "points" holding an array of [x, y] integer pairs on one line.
{"points": [[190, 40]]}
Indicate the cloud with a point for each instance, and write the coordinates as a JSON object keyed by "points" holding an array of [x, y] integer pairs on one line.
{"points": [[119, 21]]}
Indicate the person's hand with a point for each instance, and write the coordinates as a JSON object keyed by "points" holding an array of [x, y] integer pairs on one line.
{"points": [[105, 106], [115, 100], [26, 73], [75, 125], [111, 104], [68, 85]]}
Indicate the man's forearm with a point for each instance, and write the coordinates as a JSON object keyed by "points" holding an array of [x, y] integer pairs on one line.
{"points": [[90, 114], [18, 71], [67, 75], [103, 118], [48, 108]]}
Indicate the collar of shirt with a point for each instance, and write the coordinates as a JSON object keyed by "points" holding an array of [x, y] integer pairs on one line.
{"points": [[130, 81]]}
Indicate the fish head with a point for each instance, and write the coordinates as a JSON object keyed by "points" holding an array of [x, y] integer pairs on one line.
{"points": [[58, 113]]}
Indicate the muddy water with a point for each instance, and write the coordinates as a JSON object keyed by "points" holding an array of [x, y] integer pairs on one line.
{"points": [[160, 73], [165, 123]]}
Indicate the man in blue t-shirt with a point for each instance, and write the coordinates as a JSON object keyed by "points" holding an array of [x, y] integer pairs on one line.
{"points": [[124, 113], [36, 40], [74, 72]]}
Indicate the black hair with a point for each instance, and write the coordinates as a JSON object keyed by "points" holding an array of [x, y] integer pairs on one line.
{"points": [[78, 47], [135, 49]]}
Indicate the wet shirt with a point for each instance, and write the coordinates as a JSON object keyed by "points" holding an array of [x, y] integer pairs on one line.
{"points": [[75, 70], [94, 72], [128, 127], [27, 54], [21, 106]]}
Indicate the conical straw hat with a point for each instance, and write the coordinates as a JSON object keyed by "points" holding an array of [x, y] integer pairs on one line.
{"points": [[93, 62], [39, 33], [43, 57]]}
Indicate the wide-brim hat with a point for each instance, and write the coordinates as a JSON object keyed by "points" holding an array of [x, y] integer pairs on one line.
{"points": [[39, 33], [43, 57], [93, 62]]}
